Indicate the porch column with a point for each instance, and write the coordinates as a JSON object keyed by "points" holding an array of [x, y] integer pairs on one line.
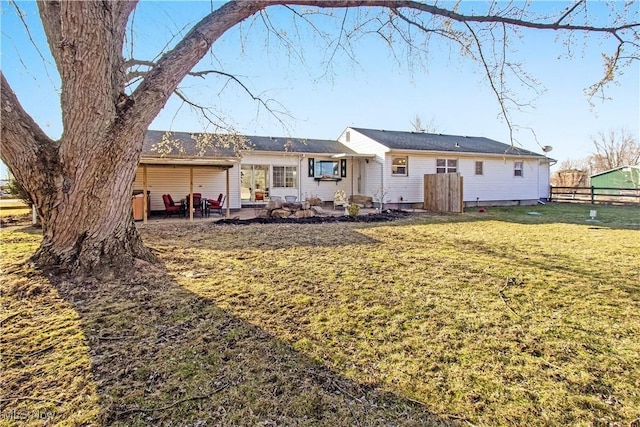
{"points": [[145, 198], [352, 176], [228, 210], [191, 194]]}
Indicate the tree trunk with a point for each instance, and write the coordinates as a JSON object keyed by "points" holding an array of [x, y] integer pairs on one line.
{"points": [[82, 185], [82, 196], [91, 229]]}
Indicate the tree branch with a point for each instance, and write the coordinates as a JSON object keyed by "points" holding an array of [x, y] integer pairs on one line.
{"points": [[205, 111], [569, 11], [163, 79], [26, 149], [495, 90], [455, 16]]}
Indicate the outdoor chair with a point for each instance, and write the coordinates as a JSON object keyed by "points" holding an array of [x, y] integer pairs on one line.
{"points": [[197, 203], [290, 199], [340, 199], [217, 205], [169, 206]]}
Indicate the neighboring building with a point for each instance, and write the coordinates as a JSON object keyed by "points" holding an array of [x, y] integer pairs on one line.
{"points": [[625, 177], [494, 173], [362, 161]]}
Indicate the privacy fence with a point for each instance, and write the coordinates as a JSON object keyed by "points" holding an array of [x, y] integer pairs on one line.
{"points": [[605, 195], [443, 192]]}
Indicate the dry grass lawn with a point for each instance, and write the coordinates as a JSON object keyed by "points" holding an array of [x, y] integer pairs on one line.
{"points": [[496, 318]]}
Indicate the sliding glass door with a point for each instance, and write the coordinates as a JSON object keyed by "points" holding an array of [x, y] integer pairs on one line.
{"points": [[254, 182]]}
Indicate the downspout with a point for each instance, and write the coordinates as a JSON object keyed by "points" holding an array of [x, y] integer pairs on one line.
{"points": [[382, 185], [300, 158], [352, 177]]}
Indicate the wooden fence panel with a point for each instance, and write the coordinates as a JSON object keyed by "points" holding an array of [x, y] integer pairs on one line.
{"points": [[443, 192], [595, 195]]}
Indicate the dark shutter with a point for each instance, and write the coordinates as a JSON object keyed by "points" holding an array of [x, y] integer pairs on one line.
{"points": [[343, 168], [312, 165]]}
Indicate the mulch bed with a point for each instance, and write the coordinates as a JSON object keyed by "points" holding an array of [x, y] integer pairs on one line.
{"points": [[389, 215]]}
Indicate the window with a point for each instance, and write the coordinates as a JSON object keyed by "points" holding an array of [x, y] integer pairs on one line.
{"points": [[399, 166], [446, 165], [285, 176], [327, 168], [517, 169], [479, 168]]}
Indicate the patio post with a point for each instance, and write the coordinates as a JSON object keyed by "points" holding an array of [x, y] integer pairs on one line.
{"points": [[145, 198], [191, 194], [228, 209]]}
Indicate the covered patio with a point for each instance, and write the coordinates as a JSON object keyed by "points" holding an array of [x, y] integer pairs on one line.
{"points": [[167, 165]]}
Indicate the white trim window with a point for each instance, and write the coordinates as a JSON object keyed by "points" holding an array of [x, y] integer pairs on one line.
{"points": [[285, 176], [479, 168], [446, 165], [518, 169], [399, 166]]}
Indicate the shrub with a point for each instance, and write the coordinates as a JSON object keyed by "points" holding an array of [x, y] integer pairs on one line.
{"points": [[15, 189], [353, 209]]}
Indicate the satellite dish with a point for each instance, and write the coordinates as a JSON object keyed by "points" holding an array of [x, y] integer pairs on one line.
{"points": [[547, 148]]}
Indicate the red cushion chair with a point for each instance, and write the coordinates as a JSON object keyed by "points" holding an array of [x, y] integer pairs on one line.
{"points": [[197, 202], [169, 206], [217, 205]]}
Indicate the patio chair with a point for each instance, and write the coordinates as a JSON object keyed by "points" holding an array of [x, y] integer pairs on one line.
{"points": [[217, 205], [290, 199], [169, 206], [197, 203], [340, 199]]}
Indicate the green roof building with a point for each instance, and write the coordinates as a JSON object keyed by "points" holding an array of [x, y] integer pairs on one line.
{"points": [[625, 177]]}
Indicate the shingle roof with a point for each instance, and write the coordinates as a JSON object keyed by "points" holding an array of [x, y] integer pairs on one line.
{"points": [[298, 145], [187, 147], [179, 144], [397, 140]]}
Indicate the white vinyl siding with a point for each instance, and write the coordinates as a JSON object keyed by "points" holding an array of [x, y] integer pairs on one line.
{"points": [[492, 185], [377, 169], [175, 181]]}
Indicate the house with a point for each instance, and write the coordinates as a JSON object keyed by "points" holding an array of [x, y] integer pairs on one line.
{"points": [[250, 170], [494, 173], [617, 181]]}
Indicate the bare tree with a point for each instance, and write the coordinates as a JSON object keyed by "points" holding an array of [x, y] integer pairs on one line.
{"points": [[420, 126], [614, 149], [571, 173], [81, 184]]}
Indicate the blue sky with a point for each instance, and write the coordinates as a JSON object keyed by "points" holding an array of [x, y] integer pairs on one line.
{"points": [[379, 88]]}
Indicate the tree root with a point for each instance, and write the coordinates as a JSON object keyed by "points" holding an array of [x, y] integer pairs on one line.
{"points": [[171, 405]]}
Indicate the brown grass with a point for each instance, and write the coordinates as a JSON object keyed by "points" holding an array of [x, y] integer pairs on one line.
{"points": [[489, 319]]}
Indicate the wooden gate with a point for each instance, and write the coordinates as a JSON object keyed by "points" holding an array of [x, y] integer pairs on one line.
{"points": [[443, 192]]}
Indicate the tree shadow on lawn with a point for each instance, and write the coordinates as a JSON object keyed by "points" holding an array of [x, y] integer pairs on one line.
{"points": [[256, 236], [162, 355]]}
